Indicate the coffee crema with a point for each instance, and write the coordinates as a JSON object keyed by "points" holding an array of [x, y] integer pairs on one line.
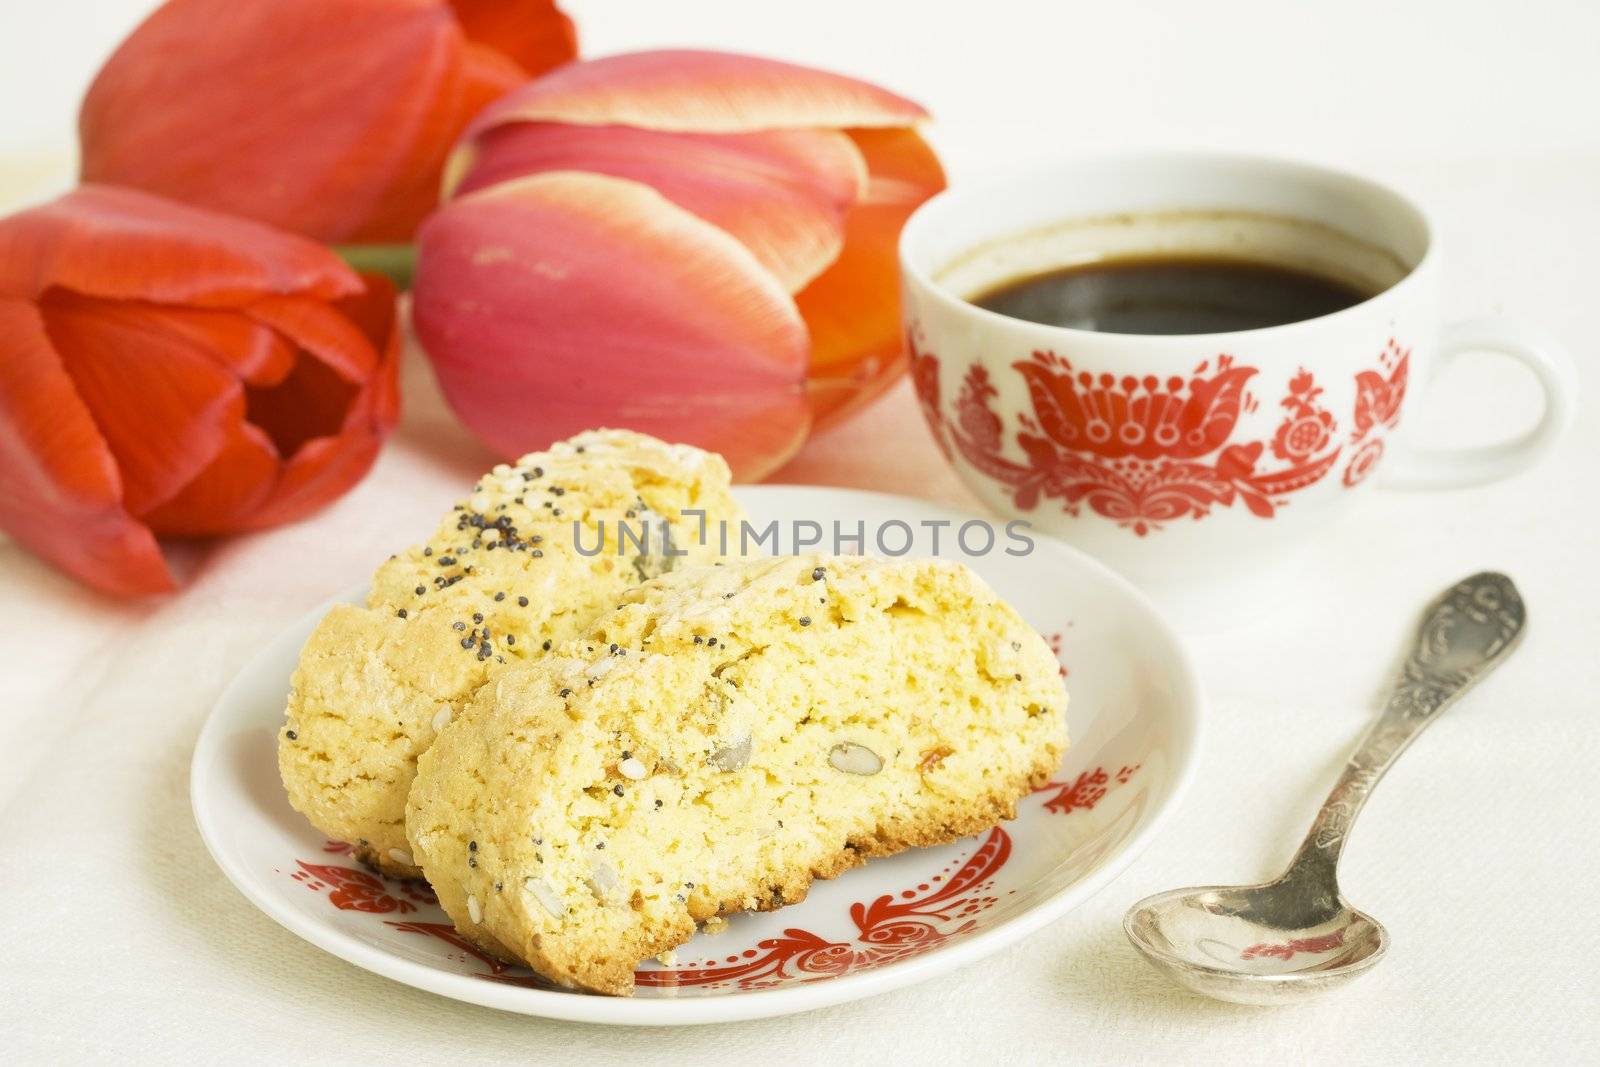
{"points": [[1171, 294]]}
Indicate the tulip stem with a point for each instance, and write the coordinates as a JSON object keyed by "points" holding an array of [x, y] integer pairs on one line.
{"points": [[396, 261]]}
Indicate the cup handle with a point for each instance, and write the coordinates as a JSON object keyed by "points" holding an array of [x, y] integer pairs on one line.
{"points": [[1419, 468]]}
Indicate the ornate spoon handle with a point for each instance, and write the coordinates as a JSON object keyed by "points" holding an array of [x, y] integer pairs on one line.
{"points": [[1464, 634]]}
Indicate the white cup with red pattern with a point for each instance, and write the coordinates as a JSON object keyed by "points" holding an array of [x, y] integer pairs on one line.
{"points": [[1203, 456]]}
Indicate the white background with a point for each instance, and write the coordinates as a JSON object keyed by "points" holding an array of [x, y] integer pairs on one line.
{"points": [[1478, 853]]}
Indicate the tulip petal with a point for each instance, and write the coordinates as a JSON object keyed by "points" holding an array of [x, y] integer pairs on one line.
{"points": [[562, 301], [852, 309], [162, 407], [223, 497], [782, 193], [252, 350], [60, 494], [124, 244], [324, 467], [319, 329], [326, 117], [699, 92], [535, 34]]}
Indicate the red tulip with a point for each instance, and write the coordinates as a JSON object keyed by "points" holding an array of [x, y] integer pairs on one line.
{"points": [[698, 245], [328, 117], [169, 370]]}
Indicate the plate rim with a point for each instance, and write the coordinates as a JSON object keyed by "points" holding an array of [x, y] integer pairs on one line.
{"points": [[1189, 701]]}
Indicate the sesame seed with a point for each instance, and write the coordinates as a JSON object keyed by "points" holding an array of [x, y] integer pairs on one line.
{"points": [[600, 845], [466, 642], [617, 789], [421, 589], [698, 639], [538, 553], [499, 597], [818, 574], [474, 910], [400, 855], [545, 646], [427, 551], [632, 768], [401, 613], [511, 639], [477, 616], [711, 640], [472, 846], [291, 735], [459, 625], [522, 601], [658, 803], [565, 693], [805, 620]]}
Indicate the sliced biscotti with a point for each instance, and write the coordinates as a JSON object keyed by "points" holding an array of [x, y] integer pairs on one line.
{"points": [[501, 576], [722, 738]]}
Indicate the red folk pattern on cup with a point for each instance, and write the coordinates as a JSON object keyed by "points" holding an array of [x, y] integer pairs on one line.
{"points": [[1137, 450], [1379, 394]]}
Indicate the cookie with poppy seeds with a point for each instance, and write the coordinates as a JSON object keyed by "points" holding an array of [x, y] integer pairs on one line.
{"points": [[500, 579], [700, 750]]}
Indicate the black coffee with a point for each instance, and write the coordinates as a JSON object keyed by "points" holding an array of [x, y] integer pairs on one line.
{"points": [[1170, 295]]}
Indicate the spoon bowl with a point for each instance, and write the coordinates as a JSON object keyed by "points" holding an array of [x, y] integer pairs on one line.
{"points": [[1222, 941]]}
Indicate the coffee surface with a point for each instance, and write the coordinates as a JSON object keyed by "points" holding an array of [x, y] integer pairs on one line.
{"points": [[1170, 295]]}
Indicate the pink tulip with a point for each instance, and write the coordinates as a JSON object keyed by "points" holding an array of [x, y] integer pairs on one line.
{"points": [[698, 245]]}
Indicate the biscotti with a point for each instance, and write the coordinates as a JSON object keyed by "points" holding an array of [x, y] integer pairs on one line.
{"points": [[719, 740], [502, 576]]}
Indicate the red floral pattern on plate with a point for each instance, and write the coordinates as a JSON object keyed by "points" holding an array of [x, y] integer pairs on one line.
{"points": [[1054, 641], [351, 889], [890, 928], [1141, 451], [1084, 791]]}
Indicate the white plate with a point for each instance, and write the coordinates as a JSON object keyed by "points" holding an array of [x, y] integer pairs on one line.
{"points": [[1134, 720]]}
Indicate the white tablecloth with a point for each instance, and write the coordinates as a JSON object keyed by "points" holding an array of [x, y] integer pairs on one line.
{"points": [[121, 939]]}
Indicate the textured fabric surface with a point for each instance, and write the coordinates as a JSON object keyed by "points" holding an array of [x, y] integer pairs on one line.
{"points": [[121, 939]]}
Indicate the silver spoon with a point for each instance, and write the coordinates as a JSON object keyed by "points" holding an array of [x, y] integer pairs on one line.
{"points": [[1296, 936]]}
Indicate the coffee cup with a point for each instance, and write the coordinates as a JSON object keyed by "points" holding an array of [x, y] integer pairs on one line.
{"points": [[1183, 459]]}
